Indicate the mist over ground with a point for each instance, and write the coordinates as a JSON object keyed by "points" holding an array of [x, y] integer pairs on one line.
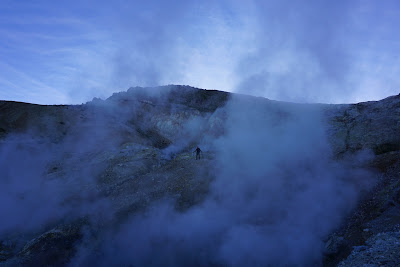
{"points": [[277, 192], [277, 195], [274, 182]]}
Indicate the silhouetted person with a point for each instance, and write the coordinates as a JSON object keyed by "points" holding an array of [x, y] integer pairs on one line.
{"points": [[198, 151]]}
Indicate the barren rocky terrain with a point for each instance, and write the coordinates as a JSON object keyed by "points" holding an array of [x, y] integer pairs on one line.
{"points": [[308, 184]]}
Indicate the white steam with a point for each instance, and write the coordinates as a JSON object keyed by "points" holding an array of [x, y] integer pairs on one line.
{"points": [[277, 194]]}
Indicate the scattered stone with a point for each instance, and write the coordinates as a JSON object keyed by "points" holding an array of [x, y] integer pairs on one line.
{"points": [[382, 249]]}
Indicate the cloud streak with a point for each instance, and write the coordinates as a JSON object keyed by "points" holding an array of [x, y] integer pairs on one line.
{"points": [[284, 50]]}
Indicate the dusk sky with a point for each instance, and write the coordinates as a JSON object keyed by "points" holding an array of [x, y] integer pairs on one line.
{"points": [[67, 52]]}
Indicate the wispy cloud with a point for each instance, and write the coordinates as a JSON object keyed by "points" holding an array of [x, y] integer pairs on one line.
{"points": [[328, 52]]}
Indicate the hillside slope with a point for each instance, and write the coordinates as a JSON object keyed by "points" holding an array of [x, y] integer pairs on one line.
{"points": [[115, 181]]}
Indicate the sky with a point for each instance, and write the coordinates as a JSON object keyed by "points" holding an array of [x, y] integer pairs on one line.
{"points": [[68, 52]]}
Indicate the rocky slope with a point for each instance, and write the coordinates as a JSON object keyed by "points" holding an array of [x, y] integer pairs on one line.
{"points": [[74, 175], [370, 233]]}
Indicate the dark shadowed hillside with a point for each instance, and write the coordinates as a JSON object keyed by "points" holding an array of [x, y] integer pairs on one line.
{"points": [[116, 182]]}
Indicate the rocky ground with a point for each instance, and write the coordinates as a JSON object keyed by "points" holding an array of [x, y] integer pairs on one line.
{"points": [[123, 153], [136, 148], [368, 237]]}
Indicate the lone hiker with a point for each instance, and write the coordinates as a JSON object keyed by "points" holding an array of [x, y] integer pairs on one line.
{"points": [[198, 151]]}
